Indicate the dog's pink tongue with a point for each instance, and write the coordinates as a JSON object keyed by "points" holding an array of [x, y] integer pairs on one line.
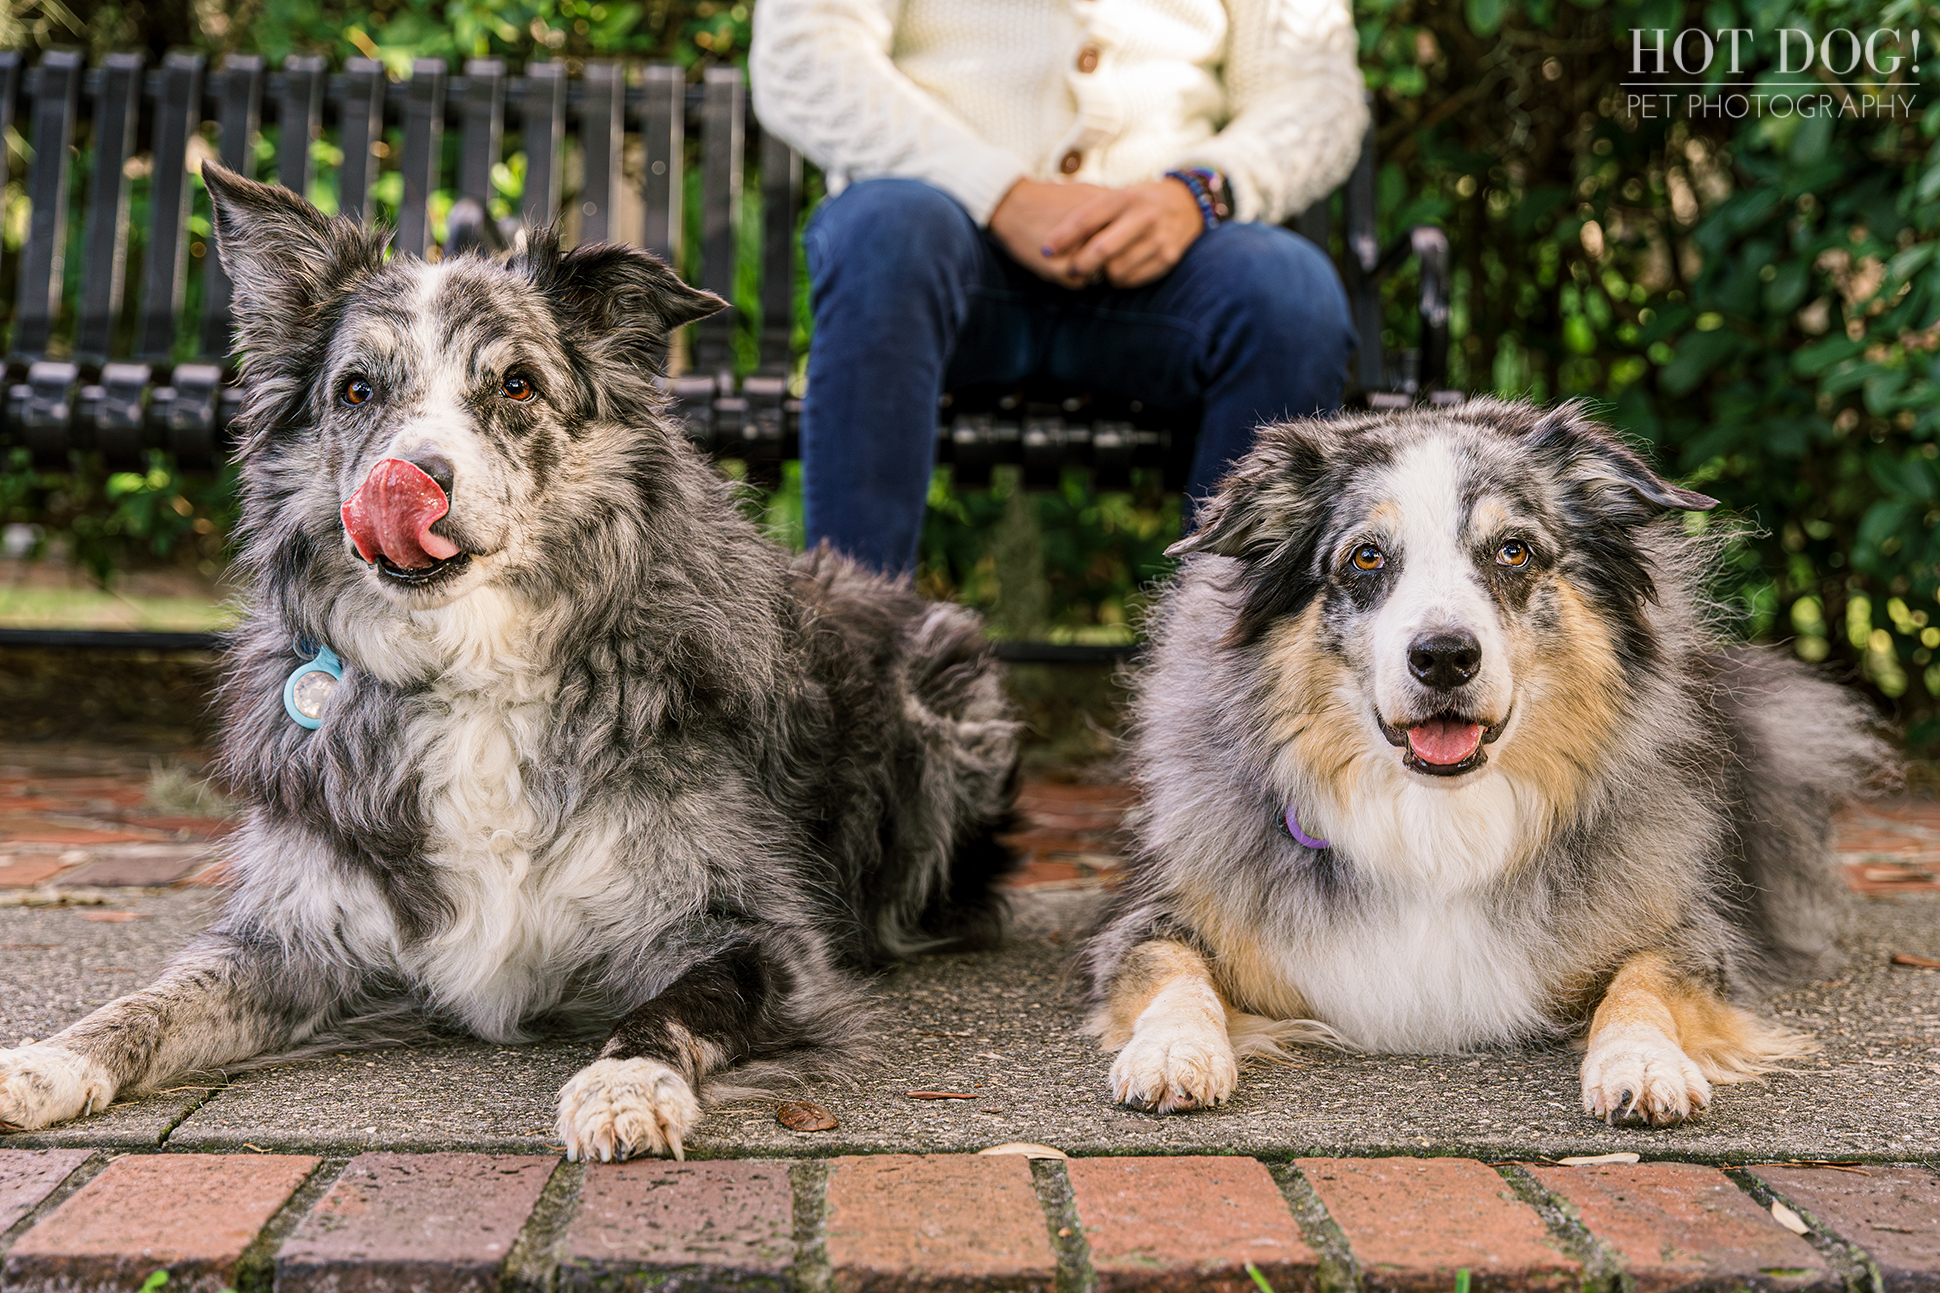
{"points": [[1444, 741], [391, 513]]}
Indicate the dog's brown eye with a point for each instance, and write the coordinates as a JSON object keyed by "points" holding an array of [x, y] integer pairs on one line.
{"points": [[1368, 557], [357, 391], [517, 388], [1513, 553]]}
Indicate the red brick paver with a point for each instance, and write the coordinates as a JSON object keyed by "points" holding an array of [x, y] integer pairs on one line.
{"points": [[1414, 1222], [1685, 1226], [1188, 1225], [29, 1175], [189, 1214], [645, 1222], [430, 1223], [1891, 846], [1891, 1212], [1068, 834], [900, 1223]]}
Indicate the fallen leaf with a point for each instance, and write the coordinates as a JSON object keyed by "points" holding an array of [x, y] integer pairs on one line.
{"points": [[1917, 962], [942, 1095], [1791, 1220], [804, 1115], [112, 917], [1027, 1148], [1591, 1160]]}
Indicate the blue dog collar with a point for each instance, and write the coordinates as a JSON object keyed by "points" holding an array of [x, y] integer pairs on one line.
{"points": [[309, 685]]}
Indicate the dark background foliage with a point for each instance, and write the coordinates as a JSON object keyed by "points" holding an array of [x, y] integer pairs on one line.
{"points": [[1755, 299]]}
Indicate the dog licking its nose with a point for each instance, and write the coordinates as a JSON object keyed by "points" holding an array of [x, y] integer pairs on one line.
{"points": [[1444, 660], [391, 515]]}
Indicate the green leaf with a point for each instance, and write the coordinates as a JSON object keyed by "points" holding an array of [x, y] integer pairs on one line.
{"points": [[1485, 16], [1697, 355], [1578, 335], [1814, 359], [1907, 477]]}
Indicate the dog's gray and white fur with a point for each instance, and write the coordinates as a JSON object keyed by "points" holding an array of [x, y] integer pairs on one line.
{"points": [[1633, 838], [619, 763]]}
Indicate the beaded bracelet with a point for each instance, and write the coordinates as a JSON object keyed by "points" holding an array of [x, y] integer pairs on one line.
{"points": [[1208, 189]]}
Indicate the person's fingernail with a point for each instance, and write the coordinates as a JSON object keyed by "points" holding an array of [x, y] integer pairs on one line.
{"points": [[1046, 252]]}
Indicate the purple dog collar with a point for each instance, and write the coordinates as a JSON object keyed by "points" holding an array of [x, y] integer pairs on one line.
{"points": [[1299, 836]]}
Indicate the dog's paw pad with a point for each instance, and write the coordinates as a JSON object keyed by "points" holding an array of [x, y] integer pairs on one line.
{"points": [[1640, 1077], [43, 1084], [613, 1109], [1172, 1071]]}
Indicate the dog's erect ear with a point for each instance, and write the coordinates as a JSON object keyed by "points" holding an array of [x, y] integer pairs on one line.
{"points": [[615, 302], [286, 258], [1592, 457], [1268, 499]]}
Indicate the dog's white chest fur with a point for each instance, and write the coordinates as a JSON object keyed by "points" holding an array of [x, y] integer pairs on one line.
{"points": [[1423, 964], [518, 881]]}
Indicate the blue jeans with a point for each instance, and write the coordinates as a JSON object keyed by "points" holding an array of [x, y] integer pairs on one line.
{"points": [[912, 298]]}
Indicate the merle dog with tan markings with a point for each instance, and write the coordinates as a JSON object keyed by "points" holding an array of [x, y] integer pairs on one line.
{"points": [[585, 751], [1440, 748]]}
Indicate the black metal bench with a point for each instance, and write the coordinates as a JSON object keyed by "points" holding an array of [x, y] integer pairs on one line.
{"points": [[69, 389], [100, 377]]}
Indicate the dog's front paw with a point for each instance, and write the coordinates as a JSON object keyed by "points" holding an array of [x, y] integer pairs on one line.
{"points": [[1168, 1070], [41, 1084], [1639, 1076], [613, 1109]]}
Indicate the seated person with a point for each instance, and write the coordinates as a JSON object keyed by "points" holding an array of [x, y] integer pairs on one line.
{"points": [[1076, 190]]}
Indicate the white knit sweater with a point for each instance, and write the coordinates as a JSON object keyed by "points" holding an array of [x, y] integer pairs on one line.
{"points": [[973, 95]]}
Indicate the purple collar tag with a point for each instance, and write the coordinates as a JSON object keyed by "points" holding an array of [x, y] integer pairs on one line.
{"points": [[1300, 836]]}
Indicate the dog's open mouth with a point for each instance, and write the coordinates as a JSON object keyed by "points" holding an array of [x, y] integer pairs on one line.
{"points": [[389, 519], [1444, 745], [418, 577]]}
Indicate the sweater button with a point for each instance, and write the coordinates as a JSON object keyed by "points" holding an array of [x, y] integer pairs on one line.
{"points": [[1070, 162], [1088, 59]]}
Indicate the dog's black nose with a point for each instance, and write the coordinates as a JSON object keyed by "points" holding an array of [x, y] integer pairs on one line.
{"points": [[1445, 659], [436, 466]]}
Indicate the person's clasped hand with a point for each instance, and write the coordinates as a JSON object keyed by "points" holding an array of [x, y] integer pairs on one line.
{"points": [[1074, 234]]}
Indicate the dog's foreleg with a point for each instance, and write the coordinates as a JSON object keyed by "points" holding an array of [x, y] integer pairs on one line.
{"points": [[1659, 1040], [222, 1001], [1634, 1068], [761, 994], [1165, 1012]]}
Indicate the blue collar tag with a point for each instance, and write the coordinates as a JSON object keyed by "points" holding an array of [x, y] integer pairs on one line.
{"points": [[309, 686]]}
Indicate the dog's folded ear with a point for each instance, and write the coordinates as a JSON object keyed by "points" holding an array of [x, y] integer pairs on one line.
{"points": [[1268, 498], [615, 302], [1592, 457], [287, 259]]}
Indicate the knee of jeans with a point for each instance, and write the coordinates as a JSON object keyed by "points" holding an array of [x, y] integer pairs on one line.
{"points": [[890, 228], [1283, 282]]}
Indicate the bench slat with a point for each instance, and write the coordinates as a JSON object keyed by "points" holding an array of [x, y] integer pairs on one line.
{"points": [[424, 129], [362, 127], [601, 131], [299, 117], [239, 115], [781, 198], [55, 85], [483, 105], [177, 91], [663, 129], [722, 129], [117, 104], [542, 131]]}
